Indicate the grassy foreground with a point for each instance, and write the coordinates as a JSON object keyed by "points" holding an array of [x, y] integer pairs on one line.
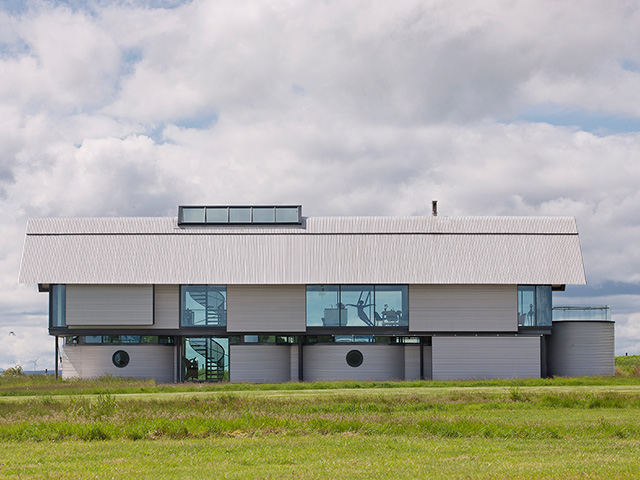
{"points": [[107, 428]]}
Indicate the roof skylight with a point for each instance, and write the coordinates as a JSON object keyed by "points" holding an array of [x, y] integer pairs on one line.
{"points": [[240, 215]]}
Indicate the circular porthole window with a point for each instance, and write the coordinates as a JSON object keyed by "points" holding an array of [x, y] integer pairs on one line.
{"points": [[120, 359], [354, 358]]}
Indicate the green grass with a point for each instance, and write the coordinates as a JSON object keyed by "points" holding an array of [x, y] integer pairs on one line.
{"points": [[324, 457], [628, 366], [536, 428]]}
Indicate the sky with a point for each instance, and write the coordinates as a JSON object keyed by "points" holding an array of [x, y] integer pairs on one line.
{"points": [[500, 107]]}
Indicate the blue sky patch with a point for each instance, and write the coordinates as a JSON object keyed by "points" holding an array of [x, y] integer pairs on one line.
{"points": [[605, 289], [596, 122], [206, 120]]}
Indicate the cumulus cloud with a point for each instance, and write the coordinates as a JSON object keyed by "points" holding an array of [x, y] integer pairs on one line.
{"points": [[133, 107]]}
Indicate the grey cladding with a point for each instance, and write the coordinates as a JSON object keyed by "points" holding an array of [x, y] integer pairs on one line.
{"points": [[374, 250], [109, 305], [463, 308], [266, 308], [581, 348], [260, 363], [469, 357], [328, 362]]}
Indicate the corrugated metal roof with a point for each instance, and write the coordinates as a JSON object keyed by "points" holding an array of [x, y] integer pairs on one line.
{"points": [[311, 225], [499, 250]]}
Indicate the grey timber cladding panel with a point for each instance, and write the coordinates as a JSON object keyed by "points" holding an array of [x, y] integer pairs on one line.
{"points": [[295, 362], [485, 357], [97, 305], [328, 362], [266, 308], [463, 308], [412, 362], [167, 306], [145, 361], [428, 368], [581, 348], [260, 363]]}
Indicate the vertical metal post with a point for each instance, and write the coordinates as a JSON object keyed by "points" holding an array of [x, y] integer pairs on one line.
{"points": [[300, 369], [178, 373], [421, 358], [57, 356]]}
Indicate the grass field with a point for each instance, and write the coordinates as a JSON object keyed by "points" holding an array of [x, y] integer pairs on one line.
{"points": [[110, 428]]}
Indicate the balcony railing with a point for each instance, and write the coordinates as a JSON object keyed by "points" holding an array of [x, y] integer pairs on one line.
{"points": [[598, 313]]}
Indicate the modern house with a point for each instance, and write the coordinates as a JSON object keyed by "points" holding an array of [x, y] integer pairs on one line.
{"points": [[263, 294]]}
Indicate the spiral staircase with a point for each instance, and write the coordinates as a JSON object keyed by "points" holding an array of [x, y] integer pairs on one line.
{"points": [[212, 302], [214, 359]]}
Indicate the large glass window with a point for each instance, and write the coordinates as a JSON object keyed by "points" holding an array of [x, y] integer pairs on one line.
{"points": [[120, 339], [534, 306], [392, 301], [57, 311], [357, 305], [203, 306], [322, 306], [205, 359], [543, 305]]}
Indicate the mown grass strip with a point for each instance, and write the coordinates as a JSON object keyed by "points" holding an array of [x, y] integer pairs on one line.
{"points": [[324, 456], [36, 385]]}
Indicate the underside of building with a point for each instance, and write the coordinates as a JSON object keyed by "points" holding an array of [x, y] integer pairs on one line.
{"points": [[263, 294]]}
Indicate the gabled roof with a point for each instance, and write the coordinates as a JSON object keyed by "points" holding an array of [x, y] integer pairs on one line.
{"points": [[323, 250]]}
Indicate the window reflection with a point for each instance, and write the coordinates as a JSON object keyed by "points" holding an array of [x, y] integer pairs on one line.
{"points": [[357, 305], [323, 309], [203, 305], [57, 313], [534, 306], [358, 300], [205, 359]]}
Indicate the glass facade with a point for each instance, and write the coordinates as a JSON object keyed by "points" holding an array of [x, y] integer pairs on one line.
{"points": [[57, 308], [203, 306], [357, 305], [315, 339], [205, 359], [534, 306], [123, 339]]}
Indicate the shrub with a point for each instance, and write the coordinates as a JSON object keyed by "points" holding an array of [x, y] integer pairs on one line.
{"points": [[16, 371]]}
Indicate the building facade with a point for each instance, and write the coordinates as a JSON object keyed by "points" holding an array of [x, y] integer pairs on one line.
{"points": [[263, 294]]}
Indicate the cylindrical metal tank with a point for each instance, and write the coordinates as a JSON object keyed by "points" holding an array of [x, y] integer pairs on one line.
{"points": [[580, 348]]}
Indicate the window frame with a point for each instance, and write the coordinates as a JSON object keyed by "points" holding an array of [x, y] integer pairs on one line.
{"points": [[220, 289], [376, 316], [537, 294], [53, 290]]}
